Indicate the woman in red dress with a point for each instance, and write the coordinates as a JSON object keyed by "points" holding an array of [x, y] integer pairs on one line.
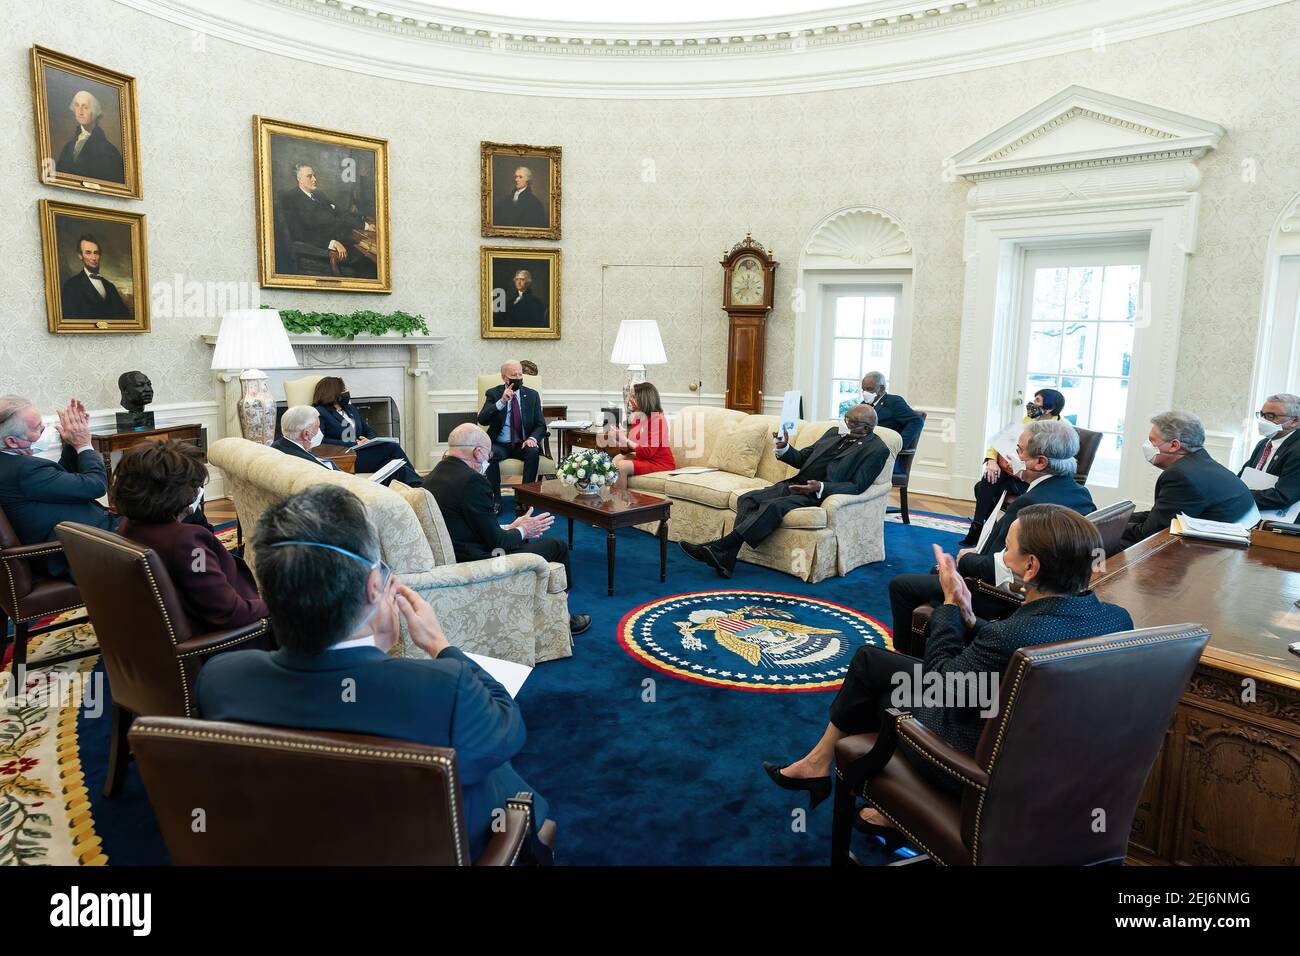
{"points": [[647, 436]]}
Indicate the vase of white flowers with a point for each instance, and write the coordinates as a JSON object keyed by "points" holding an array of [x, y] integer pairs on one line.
{"points": [[589, 470]]}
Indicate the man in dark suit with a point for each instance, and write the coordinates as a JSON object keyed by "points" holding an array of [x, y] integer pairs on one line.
{"points": [[523, 309], [1047, 462], [37, 493], [1279, 419], [892, 411], [1190, 482], [521, 207], [300, 433], [335, 611], [88, 295], [89, 154], [311, 218], [464, 497], [513, 417], [834, 465]]}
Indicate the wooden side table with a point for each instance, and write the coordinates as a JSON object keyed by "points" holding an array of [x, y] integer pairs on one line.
{"points": [[344, 459], [107, 444]]}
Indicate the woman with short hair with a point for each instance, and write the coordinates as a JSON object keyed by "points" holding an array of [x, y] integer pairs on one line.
{"points": [[647, 437], [342, 423]]}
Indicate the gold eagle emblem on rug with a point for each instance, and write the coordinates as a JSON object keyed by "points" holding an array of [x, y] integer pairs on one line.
{"points": [[767, 634]]}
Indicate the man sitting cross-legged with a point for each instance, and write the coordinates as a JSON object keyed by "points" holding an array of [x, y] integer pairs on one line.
{"points": [[835, 465]]}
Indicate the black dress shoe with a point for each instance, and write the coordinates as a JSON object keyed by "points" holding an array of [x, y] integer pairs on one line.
{"points": [[972, 536], [819, 788], [706, 555], [578, 623]]}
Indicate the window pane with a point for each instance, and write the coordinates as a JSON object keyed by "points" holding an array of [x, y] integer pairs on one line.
{"points": [[845, 394], [876, 354], [1114, 349], [1049, 294], [1078, 346], [1120, 294], [848, 316], [880, 317], [1083, 303], [1045, 347], [1078, 395], [1109, 401], [847, 359]]}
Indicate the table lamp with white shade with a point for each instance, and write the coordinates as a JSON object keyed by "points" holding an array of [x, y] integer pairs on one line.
{"points": [[250, 339], [638, 344]]}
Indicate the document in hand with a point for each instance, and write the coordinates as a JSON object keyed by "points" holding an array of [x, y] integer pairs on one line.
{"points": [[508, 674], [1004, 442], [790, 412], [1207, 530], [1257, 480], [562, 424], [380, 441], [386, 472]]}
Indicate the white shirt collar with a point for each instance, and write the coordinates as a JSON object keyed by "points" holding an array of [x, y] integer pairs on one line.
{"points": [[1042, 477], [367, 641]]}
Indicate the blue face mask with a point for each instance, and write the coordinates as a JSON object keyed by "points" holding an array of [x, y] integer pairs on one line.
{"points": [[385, 573]]}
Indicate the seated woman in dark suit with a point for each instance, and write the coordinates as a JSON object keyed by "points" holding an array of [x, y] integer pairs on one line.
{"points": [[1046, 406], [155, 486], [647, 436], [1050, 551], [341, 423]]}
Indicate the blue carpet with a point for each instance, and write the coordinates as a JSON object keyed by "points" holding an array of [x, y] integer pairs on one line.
{"points": [[676, 781]]}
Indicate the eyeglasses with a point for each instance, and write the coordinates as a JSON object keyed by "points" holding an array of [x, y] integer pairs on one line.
{"points": [[1273, 416], [385, 572]]}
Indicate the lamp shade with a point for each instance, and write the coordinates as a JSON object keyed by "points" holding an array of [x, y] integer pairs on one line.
{"points": [[253, 338], [638, 343]]}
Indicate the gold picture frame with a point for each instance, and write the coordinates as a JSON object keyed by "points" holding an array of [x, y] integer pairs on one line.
{"points": [[511, 310], [322, 208], [535, 212], [105, 161], [78, 240]]}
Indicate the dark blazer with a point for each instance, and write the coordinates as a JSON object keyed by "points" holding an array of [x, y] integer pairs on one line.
{"points": [[316, 221], [892, 411], [297, 451], [37, 494], [527, 210], [951, 650], [848, 471], [465, 499], [1056, 490], [221, 595], [530, 408], [447, 702], [331, 425], [81, 300], [528, 313], [1196, 485], [1285, 463], [99, 158]]}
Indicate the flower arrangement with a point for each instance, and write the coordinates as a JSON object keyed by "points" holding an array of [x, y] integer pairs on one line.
{"points": [[590, 469]]}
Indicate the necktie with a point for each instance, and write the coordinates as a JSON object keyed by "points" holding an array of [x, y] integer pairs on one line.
{"points": [[516, 422], [1263, 456]]}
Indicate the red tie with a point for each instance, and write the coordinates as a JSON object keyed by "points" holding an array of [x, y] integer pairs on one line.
{"points": [[1263, 456]]}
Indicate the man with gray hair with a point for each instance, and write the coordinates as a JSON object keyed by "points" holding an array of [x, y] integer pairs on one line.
{"points": [[1190, 483], [520, 205], [300, 433], [89, 154], [892, 411], [1045, 460], [1276, 460]]}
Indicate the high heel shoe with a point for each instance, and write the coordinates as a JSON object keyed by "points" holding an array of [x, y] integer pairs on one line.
{"points": [[890, 837], [819, 788]]}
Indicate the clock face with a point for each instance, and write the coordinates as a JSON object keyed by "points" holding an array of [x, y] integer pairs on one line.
{"points": [[747, 282]]}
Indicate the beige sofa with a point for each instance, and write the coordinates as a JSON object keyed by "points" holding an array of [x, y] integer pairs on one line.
{"points": [[842, 533], [512, 607]]}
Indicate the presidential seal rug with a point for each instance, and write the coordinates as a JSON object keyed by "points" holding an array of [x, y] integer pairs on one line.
{"points": [[750, 640], [932, 521]]}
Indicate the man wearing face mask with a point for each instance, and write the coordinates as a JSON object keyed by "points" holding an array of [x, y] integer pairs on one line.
{"points": [[300, 433], [513, 417], [1045, 462], [335, 609], [1275, 456], [37, 492], [464, 497], [1190, 482], [892, 411]]}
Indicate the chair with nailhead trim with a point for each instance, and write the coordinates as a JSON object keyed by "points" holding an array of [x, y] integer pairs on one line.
{"points": [[1058, 771], [272, 796], [150, 655]]}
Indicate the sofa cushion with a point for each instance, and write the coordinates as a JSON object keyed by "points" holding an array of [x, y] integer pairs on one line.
{"points": [[651, 484], [738, 449], [713, 488]]}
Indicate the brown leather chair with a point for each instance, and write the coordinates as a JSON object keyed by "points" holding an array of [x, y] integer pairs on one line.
{"points": [[277, 797], [903, 473], [1057, 774], [1089, 442], [27, 594], [150, 655]]}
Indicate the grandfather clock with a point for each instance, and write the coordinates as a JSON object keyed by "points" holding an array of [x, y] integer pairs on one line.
{"points": [[749, 275]]}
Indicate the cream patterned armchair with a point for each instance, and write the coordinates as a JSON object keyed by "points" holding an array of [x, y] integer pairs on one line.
{"points": [[842, 533], [513, 467], [512, 607]]}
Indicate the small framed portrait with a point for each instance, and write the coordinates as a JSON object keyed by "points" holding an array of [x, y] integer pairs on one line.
{"points": [[96, 268], [86, 126], [520, 293], [322, 208], [521, 190]]}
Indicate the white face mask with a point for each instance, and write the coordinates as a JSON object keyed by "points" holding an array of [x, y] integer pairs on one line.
{"points": [[870, 398], [50, 439], [1149, 451], [316, 439], [1268, 429], [198, 500], [843, 426], [483, 466]]}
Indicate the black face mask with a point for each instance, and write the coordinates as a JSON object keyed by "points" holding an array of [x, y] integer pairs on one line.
{"points": [[345, 398], [1035, 411], [517, 383]]}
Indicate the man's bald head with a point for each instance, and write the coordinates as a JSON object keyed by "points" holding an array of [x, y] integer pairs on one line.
{"points": [[861, 420], [465, 441]]}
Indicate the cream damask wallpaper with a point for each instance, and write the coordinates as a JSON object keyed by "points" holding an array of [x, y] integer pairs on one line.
{"points": [[646, 184]]}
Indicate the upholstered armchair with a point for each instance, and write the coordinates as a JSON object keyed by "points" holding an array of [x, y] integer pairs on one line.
{"points": [[512, 607], [513, 467]]}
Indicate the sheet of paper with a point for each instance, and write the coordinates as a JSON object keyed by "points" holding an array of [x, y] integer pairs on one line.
{"points": [[508, 674], [790, 411], [1210, 530], [1257, 480], [386, 472], [562, 424], [988, 525], [378, 441], [1004, 442], [1289, 515], [692, 470]]}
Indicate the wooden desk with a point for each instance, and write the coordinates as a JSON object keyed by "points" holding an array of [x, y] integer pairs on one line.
{"points": [[1225, 788], [106, 443]]}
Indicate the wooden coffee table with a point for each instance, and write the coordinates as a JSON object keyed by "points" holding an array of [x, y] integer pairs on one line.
{"points": [[612, 509]]}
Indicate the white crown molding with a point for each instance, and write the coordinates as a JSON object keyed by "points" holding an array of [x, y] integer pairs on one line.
{"points": [[879, 42]]}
